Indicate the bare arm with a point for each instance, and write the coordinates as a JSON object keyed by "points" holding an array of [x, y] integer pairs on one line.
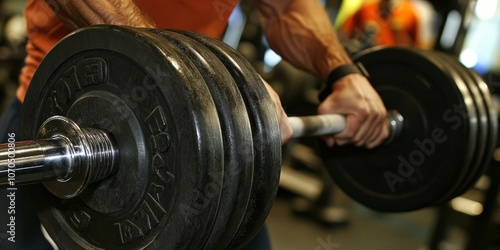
{"points": [[80, 13], [301, 32]]}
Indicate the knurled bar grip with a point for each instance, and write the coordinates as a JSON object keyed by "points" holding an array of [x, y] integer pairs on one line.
{"points": [[64, 153], [330, 124], [316, 125]]}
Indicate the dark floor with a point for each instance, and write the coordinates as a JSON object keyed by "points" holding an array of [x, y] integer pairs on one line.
{"points": [[365, 229]]}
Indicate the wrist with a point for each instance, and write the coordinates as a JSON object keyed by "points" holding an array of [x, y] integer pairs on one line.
{"points": [[338, 73]]}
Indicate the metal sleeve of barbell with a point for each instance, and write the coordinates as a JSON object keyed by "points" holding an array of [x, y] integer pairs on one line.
{"points": [[28, 162], [317, 125]]}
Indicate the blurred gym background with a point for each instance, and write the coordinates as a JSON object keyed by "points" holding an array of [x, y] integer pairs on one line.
{"points": [[310, 212]]}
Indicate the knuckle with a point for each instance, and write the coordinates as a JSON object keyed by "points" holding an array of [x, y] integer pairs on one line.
{"points": [[324, 108], [363, 113], [383, 113]]}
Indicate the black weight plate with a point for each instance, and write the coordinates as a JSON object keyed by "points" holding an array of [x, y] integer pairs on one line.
{"points": [[482, 122], [490, 140], [237, 137], [475, 120], [265, 133], [154, 102], [420, 166]]}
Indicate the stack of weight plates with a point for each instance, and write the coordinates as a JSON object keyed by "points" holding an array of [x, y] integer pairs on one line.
{"points": [[197, 133]]}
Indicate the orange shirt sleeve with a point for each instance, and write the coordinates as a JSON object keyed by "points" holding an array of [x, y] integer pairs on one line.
{"points": [[44, 31], [207, 17]]}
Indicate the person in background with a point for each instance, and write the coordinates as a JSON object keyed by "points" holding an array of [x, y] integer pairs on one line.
{"points": [[382, 22]]}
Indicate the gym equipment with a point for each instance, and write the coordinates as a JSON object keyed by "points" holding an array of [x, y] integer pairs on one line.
{"points": [[168, 139]]}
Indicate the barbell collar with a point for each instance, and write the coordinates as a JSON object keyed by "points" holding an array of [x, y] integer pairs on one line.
{"points": [[66, 158], [395, 121]]}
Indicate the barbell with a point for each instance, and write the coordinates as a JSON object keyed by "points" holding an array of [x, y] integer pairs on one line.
{"points": [[168, 139]]}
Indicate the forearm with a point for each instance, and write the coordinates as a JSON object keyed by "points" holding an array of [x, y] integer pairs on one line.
{"points": [[301, 32], [80, 13]]}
